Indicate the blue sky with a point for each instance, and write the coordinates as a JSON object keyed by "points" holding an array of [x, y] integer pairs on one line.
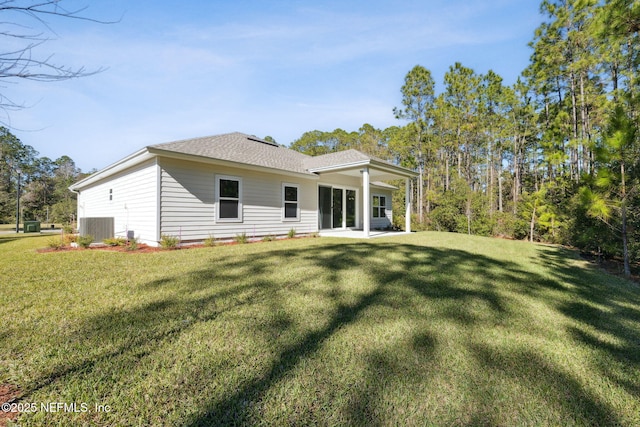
{"points": [[181, 69]]}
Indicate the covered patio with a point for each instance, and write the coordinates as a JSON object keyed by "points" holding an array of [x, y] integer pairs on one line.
{"points": [[370, 172]]}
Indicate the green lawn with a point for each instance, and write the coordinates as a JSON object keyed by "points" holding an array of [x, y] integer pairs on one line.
{"points": [[426, 329]]}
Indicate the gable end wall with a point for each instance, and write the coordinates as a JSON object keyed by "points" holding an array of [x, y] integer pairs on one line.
{"points": [[133, 203]]}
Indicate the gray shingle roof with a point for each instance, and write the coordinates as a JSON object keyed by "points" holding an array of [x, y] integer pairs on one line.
{"points": [[339, 157], [247, 149], [240, 148]]}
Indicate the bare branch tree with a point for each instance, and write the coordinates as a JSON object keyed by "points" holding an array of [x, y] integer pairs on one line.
{"points": [[25, 61]]}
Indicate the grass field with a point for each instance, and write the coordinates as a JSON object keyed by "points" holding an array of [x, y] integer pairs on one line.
{"points": [[426, 329]]}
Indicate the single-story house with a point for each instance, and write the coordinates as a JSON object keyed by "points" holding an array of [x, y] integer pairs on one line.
{"points": [[221, 186]]}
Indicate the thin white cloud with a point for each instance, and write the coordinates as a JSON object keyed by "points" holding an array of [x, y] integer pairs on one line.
{"points": [[317, 66], [317, 36]]}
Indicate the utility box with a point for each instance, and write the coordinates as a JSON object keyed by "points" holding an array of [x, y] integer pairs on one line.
{"points": [[31, 226]]}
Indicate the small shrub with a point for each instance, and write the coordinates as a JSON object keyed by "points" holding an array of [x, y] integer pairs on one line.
{"points": [[68, 239], [67, 229], [169, 242], [210, 241], [504, 225], [133, 244], [241, 238], [55, 243], [292, 233], [115, 241], [85, 241], [269, 238]]}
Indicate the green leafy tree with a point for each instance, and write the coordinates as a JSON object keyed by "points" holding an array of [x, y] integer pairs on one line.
{"points": [[14, 156], [315, 143], [461, 94], [565, 71], [609, 197], [418, 94], [372, 141], [45, 183]]}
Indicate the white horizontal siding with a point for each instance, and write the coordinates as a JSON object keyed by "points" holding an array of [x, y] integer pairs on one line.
{"points": [[388, 219], [188, 202], [133, 204]]}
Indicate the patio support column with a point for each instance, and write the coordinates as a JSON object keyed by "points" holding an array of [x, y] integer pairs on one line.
{"points": [[366, 202], [407, 210]]}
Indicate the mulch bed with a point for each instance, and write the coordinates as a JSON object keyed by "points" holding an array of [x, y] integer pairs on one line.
{"points": [[142, 248], [8, 394]]}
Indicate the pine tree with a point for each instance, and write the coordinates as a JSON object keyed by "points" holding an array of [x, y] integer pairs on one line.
{"points": [[417, 100]]}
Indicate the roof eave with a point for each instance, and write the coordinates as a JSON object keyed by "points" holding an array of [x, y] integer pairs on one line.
{"points": [[396, 170], [339, 167], [125, 163], [228, 163], [384, 185], [387, 167]]}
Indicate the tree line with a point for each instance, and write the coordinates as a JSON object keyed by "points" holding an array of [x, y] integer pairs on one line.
{"points": [[44, 183], [554, 157]]}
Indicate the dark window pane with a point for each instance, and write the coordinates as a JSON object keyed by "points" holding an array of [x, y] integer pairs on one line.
{"points": [[376, 212], [383, 201], [291, 194], [383, 212], [351, 208], [229, 209], [290, 210], [229, 188]]}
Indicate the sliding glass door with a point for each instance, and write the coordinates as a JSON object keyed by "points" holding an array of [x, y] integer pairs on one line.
{"points": [[350, 210], [337, 207], [324, 205]]}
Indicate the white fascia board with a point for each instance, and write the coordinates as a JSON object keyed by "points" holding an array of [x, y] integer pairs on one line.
{"points": [[383, 185], [392, 169], [229, 163], [129, 161], [341, 166]]}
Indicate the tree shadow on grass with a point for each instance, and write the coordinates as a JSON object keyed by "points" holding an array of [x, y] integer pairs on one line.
{"points": [[433, 274], [546, 383], [366, 404], [606, 310], [12, 237], [400, 277], [7, 239]]}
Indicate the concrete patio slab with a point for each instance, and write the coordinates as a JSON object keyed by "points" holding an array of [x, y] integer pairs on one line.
{"points": [[359, 234]]}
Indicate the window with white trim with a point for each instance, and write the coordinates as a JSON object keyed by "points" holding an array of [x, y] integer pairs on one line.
{"points": [[228, 198], [290, 202], [379, 206]]}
